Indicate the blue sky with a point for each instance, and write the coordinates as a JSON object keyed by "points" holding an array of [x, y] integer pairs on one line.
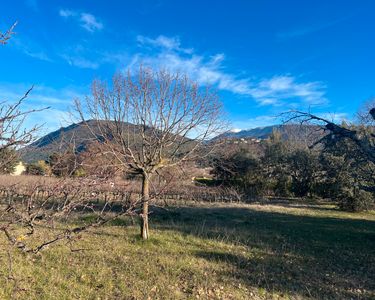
{"points": [[265, 57]]}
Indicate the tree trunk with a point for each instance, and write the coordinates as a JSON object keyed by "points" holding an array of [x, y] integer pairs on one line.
{"points": [[145, 199]]}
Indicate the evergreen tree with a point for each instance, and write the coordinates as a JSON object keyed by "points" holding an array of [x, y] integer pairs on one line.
{"points": [[8, 160]]}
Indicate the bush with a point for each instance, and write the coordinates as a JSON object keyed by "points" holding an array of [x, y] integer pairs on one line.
{"points": [[282, 186], [40, 168], [304, 167], [80, 172], [356, 200], [8, 160], [34, 169], [242, 171]]}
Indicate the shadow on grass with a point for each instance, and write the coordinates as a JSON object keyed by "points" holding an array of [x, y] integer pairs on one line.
{"points": [[316, 257], [308, 206]]}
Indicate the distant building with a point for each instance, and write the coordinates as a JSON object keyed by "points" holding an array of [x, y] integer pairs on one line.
{"points": [[246, 140], [18, 169]]}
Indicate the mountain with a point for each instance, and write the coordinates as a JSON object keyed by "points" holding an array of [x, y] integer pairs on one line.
{"points": [[257, 133], [78, 134], [54, 142], [288, 132]]}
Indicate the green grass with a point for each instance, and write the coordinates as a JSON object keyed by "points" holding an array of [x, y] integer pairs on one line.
{"points": [[208, 252]]}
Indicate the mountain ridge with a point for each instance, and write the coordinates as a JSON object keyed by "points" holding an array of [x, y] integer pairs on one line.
{"points": [[81, 136], [257, 132]]}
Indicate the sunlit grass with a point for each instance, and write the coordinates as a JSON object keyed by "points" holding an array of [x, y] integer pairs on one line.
{"points": [[206, 252]]}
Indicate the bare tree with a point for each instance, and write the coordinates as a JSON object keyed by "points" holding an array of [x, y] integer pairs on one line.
{"points": [[12, 117], [151, 120], [26, 206], [13, 133]]}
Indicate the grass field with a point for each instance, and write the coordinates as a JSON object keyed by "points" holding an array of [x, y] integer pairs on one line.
{"points": [[279, 251]]}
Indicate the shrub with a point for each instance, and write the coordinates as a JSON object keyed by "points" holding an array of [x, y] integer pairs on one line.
{"points": [[80, 172], [34, 169], [40, 168], [8, 160], [356, 200]]}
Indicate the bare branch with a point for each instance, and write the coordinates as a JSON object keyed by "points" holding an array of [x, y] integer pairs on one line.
{"points": [[5, 36], [363, 141]]}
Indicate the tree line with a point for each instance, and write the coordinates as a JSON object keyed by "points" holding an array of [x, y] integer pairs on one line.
{"points": [[336, 165]]}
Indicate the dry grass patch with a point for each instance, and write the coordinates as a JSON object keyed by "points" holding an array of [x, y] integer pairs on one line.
{"points": [[206, 252]]}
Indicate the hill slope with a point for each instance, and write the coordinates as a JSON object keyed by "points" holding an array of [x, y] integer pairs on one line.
{"points": [[79, 135], [57, 141]]}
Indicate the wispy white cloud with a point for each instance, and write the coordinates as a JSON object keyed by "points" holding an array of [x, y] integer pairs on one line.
{"points": [[58, 101], [334, 117], [31, 48], [80, 62], [90, 23], [41, 95], [169, 53], [38, 55], [309, 29], [66, 13], [82, 56], [86, 20], [276, 91], [283, 90], [285, 87], [33, 4], [206, 71], [162, 41]]}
